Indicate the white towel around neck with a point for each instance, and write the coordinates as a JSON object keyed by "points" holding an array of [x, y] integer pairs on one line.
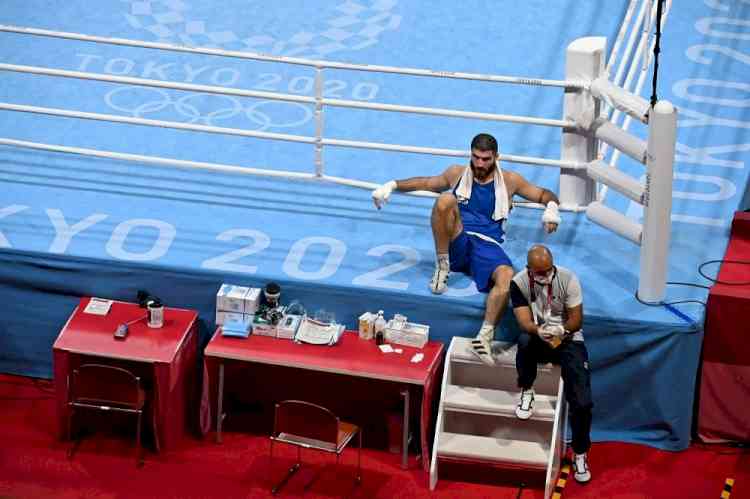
{"points": [[502, 206]]}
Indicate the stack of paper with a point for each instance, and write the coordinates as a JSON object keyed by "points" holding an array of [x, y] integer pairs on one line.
{"points": [[318, 333]]}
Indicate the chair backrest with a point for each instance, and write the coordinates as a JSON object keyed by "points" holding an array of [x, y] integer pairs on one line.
{"points": [[106, 385], [305, 419]]}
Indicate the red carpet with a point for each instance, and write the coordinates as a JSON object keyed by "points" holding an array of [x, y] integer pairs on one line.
{"points": [[34, 465]]}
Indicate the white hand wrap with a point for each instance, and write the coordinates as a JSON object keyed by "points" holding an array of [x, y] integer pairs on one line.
{"points": [[551, 214], [381, 194], [553, 330]]}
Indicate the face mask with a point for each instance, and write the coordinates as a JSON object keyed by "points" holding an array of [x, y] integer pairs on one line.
{"points": [[542, 279]]}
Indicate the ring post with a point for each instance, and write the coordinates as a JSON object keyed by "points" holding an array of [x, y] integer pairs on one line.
{"points": [[584, 61], [657, 202]]}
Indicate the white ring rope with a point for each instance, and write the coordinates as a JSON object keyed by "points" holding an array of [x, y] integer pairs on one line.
{"points": [[626, 61], [527, 120], [634, 67], [620, 36], [295, 60], [154, 123], [628, 120], [276, 136], [224, 168], [155, 160]]}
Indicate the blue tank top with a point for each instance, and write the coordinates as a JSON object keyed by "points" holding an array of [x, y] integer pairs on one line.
{"points": [[476, 214]]}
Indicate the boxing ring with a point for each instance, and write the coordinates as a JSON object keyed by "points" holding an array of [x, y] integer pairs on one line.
{"points": [[144, 158]]}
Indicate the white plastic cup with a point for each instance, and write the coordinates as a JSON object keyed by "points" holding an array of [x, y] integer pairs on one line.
{"points": [[155, 314]]}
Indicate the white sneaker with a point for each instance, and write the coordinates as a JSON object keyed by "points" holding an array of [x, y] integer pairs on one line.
{"points": [[525, 407], [439, 281], [481, 346], [581, 466]]}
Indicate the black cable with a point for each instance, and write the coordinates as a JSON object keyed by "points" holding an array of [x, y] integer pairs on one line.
{"points": [[691, 284], [657, 50], [695, 285], [666, 303], [727, 283]]}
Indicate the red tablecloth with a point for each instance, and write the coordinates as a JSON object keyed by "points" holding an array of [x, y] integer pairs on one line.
{"points": [[165, 357], [350, 357]]}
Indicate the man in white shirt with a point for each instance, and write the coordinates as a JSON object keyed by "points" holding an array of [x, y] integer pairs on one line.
{"points": [[548, 305]]}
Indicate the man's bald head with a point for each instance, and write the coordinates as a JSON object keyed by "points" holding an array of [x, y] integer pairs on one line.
{"points": [[539, 258]]}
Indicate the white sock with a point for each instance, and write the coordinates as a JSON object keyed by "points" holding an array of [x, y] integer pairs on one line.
{"points": [[443, 260], [487, 331]]}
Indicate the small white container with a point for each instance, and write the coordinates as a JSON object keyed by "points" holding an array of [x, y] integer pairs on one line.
{"points": [[155, 314]]}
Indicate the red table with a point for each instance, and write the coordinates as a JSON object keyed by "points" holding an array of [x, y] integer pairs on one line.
{"points": [[166, 356], [351, 357]]}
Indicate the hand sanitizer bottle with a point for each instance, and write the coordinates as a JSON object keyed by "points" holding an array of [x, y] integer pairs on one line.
{"points": [[379, 328]]}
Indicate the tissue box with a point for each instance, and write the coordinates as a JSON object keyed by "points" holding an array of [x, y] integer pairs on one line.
{"points": [[222, 317], [410, 334], [231, 298]]}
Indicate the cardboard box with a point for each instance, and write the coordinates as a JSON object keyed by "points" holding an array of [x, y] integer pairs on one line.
{"points": [[410, 334], [231, 298], [222, 317], [366, 326]]}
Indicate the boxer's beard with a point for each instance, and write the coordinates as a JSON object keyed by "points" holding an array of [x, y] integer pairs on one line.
{"points": [[482, 174]]}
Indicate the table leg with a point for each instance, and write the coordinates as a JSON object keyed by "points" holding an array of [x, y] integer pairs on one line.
{"points": [[405, 435], [220, 404]]}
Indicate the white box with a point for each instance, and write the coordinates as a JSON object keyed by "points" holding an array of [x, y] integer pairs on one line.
{"points": [[263, 328], [288, 326], [231, 298], [412, 334], [222, 317], [252, 300]]}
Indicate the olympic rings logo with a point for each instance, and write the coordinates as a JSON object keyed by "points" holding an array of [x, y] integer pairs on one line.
{"points": [[205, 109]]}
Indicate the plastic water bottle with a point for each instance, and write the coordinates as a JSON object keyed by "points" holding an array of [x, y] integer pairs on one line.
{"points": [[379, 328]]}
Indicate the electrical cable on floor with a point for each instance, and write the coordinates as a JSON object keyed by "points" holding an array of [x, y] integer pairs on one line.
{"points": [[717, 281], [695, 285], [666, 303]]}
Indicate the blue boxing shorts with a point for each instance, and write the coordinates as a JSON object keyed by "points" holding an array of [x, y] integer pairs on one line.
{"points": [[478, 258]]}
